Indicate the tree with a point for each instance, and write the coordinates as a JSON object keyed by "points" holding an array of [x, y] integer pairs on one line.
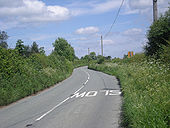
{"points": [[34, 48], [63, 48], [3, 38], [27, 51], [125, 56], [93, 56], [100, 59], [20, 47], [41, 50], [159, 32], [108, 58]]}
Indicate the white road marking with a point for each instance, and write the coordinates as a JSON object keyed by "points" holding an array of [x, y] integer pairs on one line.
{"points": [[75, 93], [79, 89], [87, 74], [111, 92], [95, 93], [52, 109], [114, 92], [86, 82], [78, 95], [87, 77], [91, 94], [106, 92]]}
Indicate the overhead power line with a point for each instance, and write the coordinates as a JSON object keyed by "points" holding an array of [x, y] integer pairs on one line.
{"points": [[114, 19]]}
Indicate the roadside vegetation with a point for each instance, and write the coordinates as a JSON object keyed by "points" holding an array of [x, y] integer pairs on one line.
{"points": [[145, 79], [26, 70]]}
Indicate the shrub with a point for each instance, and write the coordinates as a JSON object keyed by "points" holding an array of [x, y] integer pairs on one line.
{"points": [[159, 32], [100, 60]]}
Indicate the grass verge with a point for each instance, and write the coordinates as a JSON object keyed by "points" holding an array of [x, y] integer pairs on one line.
{"points": [[146, 91]]}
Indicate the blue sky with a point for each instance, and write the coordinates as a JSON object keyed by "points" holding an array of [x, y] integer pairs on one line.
{"points": [[80, 22]]}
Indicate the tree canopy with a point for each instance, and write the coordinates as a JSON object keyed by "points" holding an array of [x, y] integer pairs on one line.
{"points": [[34, 48], [63, 48], [3, 38], [157, 35], [20, 47]]}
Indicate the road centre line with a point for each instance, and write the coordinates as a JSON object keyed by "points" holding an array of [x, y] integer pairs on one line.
{"points": [[64, 100], [52, 109], [79, 89], [86, 82]]}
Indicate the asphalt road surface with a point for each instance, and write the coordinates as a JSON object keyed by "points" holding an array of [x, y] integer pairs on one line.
{"points": [[87, 99]]}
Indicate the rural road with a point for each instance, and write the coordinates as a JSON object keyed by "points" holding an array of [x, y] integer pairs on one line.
{"points": [[87, 99]]}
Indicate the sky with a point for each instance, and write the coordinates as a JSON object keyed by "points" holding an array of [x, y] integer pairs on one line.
{"points": [[81, 23]]}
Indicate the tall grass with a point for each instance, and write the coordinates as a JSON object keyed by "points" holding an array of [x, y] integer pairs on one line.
{"points": [[146, 91]]}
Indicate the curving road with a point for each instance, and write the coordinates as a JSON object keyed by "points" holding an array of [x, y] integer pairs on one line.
{"points": [[87, 99]]}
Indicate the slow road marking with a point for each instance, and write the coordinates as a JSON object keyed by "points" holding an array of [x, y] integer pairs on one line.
{"points": [[95, 93]]}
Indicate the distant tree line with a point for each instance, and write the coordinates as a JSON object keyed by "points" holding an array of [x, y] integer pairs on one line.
{"points": [[24, 50], [98, 58]]}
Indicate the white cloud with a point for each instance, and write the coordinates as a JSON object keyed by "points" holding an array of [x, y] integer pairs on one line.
{"points": [[87, 30], [31, 11], [94, 7], [108, 42], [36, 11], [10, 3], [140, 4], [145, 6], [39, 37], [106, 6], [132, 32]]}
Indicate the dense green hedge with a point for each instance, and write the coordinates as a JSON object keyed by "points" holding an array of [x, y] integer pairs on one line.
{"points": [[21, 76], [145, 85]]}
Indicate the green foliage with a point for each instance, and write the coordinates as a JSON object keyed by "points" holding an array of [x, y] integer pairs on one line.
{"points": [[21, 76], [86, 57], [3, 38], [145, 86], [80, 63], [20, 47], [63, 48], [108, 57], [41, 50], [26, 51], [93, 56], [165, 55], [100, 59], [34, 48], [159, 32], [27, 70]]}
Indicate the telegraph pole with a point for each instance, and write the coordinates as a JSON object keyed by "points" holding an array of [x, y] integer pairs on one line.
{"points": [[155, 10], [88, 56], [101, 45]]}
